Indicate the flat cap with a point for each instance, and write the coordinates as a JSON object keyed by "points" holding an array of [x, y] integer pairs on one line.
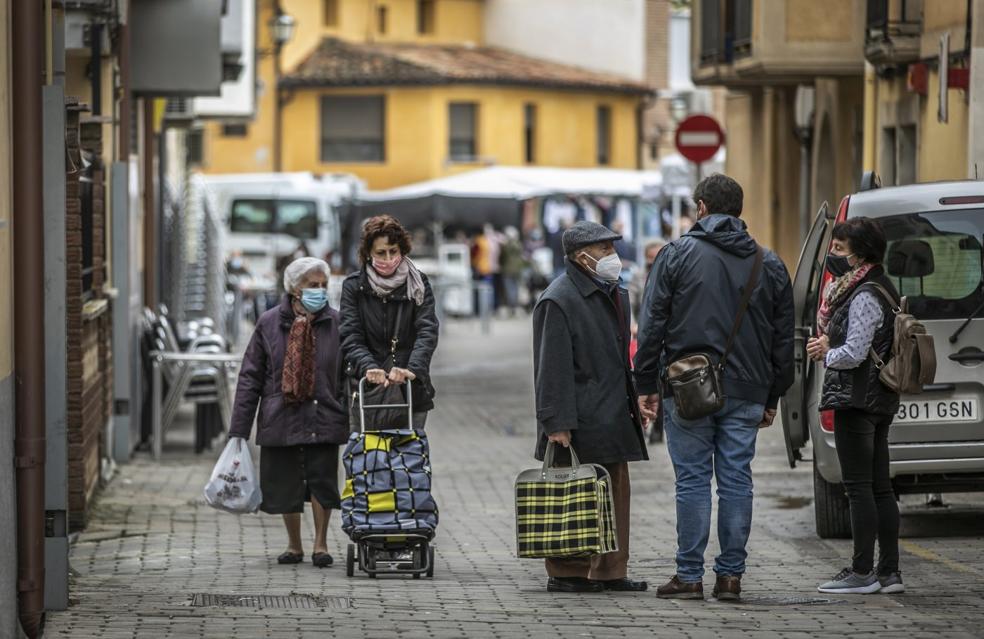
{"points": [[584, 233]]}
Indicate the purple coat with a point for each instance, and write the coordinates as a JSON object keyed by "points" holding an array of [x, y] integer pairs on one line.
{"points": [[323, 420]]}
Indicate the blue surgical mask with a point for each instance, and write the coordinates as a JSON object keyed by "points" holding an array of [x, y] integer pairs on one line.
{"points": [[314, 299]]}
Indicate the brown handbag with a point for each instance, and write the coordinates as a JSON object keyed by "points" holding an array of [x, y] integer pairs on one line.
{"points": [[695, 382]]}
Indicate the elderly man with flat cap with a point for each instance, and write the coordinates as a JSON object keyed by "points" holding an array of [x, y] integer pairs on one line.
{"points": [[585, 397]]}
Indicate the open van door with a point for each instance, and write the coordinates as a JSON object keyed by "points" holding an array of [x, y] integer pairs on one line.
{"points": [[795, 426]]}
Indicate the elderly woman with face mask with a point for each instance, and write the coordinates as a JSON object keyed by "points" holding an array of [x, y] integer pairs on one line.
{"points": [[389, 323], [291, 370]]}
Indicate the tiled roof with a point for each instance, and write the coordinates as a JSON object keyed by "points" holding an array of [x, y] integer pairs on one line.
{"points": [[336, 63]]}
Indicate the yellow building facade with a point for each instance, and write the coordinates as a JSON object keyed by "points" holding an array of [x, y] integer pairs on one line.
{"points": [[422, 65], [905, 139]]}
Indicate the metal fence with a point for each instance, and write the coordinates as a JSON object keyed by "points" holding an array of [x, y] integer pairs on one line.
{"points": [[194, 283]]}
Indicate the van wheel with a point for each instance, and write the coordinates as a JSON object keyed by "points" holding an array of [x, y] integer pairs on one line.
{"points": [[831, 508]]}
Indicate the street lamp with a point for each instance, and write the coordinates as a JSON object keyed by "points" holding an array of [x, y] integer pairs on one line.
{"points": [[281, 31]]}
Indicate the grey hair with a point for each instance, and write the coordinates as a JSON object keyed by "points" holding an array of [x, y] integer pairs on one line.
{"points": [[300, 267]]}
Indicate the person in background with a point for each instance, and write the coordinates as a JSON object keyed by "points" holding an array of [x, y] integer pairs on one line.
{"points": [[626, 249], [585, 399], [637, 290], [637, 287], [389, 322], [481, 259], [292, 372], [513, 264], [854, 319], [494, 241]]}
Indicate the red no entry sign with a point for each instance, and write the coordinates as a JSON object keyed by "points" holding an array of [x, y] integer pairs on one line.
{"points": [[698, 138]]}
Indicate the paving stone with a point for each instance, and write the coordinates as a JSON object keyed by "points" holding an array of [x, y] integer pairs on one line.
{"points": [[153, 543]]}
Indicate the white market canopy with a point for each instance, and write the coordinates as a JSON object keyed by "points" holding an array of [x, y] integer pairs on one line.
{"points": [[496, 194], [523, 183]]}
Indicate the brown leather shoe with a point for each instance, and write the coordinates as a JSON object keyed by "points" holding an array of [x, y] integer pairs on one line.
{"points": [[727, 588], [676, 589]]}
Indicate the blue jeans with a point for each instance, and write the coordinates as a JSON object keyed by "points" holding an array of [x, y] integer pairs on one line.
{"points": [[723, 445]]}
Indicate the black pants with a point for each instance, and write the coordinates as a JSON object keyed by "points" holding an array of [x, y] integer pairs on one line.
{"points": [[862, 448]]}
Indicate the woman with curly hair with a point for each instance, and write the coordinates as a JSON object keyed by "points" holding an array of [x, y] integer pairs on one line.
{"points": [[389, 325]]}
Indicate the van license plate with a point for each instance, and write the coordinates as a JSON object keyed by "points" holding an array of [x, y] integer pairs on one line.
{"points": [[956, 409]]}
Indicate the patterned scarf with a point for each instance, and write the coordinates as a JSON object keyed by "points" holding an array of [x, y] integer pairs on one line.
{"points": [[406, 273], [836, 292], [298, 377]]}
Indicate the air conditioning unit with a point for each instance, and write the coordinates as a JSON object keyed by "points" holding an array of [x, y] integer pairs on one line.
{"points": [[179, 112], [79, 31]]}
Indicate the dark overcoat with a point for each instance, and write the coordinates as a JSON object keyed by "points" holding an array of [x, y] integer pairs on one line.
{"points": [[369, 323], [581, 370], [323, 419]]}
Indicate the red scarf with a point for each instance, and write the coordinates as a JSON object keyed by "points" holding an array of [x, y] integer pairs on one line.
{"points": [[838, 291], [298, 377]]}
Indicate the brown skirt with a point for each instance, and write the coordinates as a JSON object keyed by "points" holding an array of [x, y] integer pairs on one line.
{"points": [[290, 475]]}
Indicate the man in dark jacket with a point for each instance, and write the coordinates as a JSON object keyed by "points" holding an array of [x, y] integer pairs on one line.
{"points": [[692, 298], [584, 394]]}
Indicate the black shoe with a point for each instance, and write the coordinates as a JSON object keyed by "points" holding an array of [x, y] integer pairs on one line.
{"points": [[573, 584], [322, 560], [290, 558], [625, 585]]}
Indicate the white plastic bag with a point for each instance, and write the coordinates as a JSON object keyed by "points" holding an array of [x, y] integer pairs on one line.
{"points": [[234, 486]]}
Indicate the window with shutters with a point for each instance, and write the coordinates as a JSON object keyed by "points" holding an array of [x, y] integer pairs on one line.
{"points": [[425, 17], [462, 143], [331, 13], [604, 128], [353, 128], [529, 132]]}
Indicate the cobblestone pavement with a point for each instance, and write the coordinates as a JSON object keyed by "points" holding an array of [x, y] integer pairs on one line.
{"points": [[153, 544]]}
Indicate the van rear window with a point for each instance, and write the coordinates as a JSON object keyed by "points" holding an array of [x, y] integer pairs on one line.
{"points": [[297, 218], [936, 259], [251, 216]]}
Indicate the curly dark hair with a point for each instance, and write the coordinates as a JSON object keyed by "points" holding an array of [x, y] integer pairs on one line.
{"points": [[720, 194], [383, 226], [865, 237]]}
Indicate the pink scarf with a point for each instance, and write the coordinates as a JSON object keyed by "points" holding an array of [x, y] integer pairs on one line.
{"points": [[836, 292]]}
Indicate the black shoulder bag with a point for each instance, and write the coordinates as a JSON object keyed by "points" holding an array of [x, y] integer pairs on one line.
{"points": [[694, 381], [381, 418]]}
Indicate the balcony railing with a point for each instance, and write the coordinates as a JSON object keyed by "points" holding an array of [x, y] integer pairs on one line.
{"points": [[892, 30]]}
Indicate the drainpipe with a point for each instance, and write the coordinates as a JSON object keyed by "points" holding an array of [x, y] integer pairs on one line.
{"points": [[975, 154], [803, 112], [28, 38]]}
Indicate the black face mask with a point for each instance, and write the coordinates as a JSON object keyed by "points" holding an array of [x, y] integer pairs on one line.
{"points": [[837, 264]]}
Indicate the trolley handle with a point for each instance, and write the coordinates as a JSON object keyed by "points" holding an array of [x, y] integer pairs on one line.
{"points": [[362, 407]]}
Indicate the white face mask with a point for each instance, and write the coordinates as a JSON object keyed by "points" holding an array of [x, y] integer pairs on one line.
{"points": [[608, 268]]}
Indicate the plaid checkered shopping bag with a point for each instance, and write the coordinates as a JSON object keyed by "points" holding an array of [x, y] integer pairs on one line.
{"points": [[564, 512]]}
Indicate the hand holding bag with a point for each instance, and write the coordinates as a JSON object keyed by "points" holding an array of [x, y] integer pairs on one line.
{"points": [[379, 395], [565, 511], [234, 486], [694, 381]]}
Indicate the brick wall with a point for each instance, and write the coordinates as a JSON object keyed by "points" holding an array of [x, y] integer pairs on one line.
{"points": [[88, 321]]}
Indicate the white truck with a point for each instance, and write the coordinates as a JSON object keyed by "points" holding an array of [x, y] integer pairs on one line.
{"points": [[268, 216]]}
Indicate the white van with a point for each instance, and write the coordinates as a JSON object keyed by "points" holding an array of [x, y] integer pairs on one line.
{"points": [[266, 216]]}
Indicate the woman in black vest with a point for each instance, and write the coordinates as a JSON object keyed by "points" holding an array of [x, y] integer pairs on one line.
{"points": [[855, 319], [389, 323]]}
